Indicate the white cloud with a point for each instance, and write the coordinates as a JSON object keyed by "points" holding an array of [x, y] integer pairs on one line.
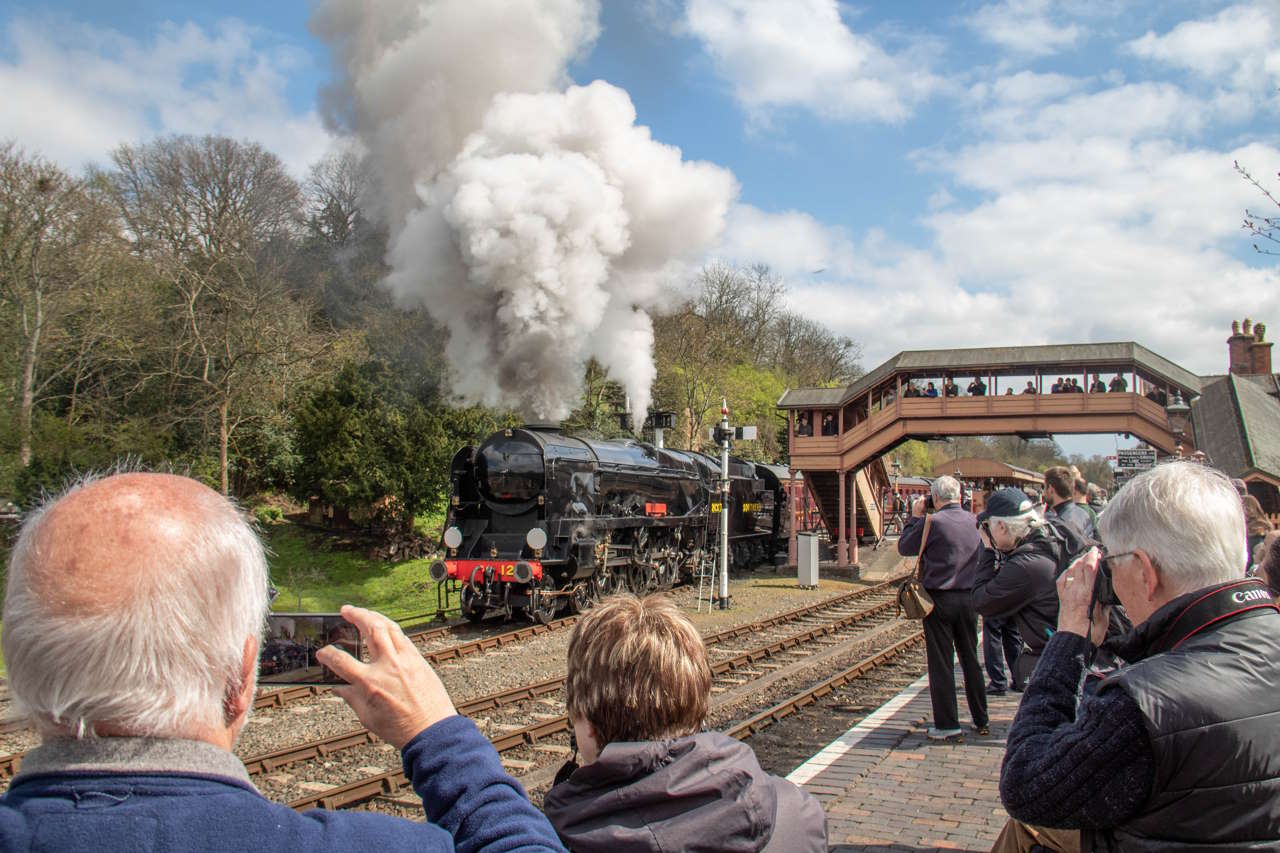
{"points": [[1016, 107], [802, 54], [792, 242], [1028, 88], [1082, 240], [74, 92], [1239, 47], [1025, 27]]}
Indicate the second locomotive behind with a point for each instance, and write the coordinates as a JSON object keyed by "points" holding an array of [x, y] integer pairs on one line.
{"points": [[540, 520]]}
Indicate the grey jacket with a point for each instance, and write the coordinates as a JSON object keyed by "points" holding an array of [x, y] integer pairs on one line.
{"points": [[699, 793], [1073, 513]]}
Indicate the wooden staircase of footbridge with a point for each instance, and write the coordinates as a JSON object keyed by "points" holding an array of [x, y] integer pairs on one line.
{"points": [[861, 492]]}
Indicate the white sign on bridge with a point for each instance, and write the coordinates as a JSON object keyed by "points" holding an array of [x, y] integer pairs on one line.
{"points": [[1138, 458]]}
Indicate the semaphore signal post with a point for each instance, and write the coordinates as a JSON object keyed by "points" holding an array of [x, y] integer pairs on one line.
{"points": [[724, 436]]}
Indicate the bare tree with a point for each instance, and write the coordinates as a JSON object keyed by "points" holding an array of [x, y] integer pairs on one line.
{"points": [[332, 194], [215, 218], [737, 318], [53, 238], [1261, 226]]}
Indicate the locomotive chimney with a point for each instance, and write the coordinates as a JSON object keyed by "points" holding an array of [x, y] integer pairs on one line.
{"points": [[625, 421]]}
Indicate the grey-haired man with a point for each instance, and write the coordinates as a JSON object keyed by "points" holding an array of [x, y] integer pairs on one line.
{"points": [[1016, 575]]}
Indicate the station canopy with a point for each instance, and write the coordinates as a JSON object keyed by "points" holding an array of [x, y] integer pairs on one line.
{"points": [[977, 468]]}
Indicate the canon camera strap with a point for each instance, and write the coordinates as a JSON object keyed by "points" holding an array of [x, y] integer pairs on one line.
{"points": [[1219, 604]]}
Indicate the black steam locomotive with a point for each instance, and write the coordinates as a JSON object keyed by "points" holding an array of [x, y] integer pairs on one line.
{"points": [[540, 520]]}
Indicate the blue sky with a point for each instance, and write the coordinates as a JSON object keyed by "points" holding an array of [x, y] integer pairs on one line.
{"points": [[922, 174]]}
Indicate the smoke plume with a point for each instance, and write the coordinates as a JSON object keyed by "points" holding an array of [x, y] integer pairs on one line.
{"points": [[534, 218]]}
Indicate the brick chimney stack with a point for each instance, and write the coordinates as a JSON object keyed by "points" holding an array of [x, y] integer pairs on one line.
{"points": [[1248, 351], [1260, 351], [1240, 361]]}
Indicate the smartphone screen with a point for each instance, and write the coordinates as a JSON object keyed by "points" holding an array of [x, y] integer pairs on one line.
{"points": [[290, 644]]}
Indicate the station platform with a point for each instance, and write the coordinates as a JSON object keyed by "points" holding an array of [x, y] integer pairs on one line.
{"points": [[886, 787]]}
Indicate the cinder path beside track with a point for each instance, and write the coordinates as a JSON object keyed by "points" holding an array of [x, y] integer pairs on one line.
{"points": [[887, 788]]}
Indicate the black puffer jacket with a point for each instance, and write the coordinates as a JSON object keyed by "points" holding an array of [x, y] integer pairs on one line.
{"points": [[1022, 585], [699, 793]]}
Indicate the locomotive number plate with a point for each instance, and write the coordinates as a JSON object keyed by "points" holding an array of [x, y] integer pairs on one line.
{"points": [[503, 570]]}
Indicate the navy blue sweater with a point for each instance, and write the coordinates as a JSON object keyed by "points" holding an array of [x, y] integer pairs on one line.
{"points": [[950, 558], [1075, 761], [471, 805]]}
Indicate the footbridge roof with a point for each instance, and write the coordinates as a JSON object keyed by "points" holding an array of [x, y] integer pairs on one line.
{"points": [[1000, 360]]}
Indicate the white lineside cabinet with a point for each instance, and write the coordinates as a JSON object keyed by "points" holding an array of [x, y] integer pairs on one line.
{"points": [[807, 560]]}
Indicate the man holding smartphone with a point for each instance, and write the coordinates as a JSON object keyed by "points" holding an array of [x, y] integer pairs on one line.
{"points": [[1176, 749], [132, 622]]}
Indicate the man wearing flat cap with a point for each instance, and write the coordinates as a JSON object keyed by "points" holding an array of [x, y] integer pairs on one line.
{"points": [[1017, 574]]}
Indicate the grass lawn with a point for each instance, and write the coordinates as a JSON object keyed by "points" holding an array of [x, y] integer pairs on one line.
{"points": [[326, 576]]}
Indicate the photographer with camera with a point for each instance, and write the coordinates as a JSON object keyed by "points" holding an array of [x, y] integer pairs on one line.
{"points": [[1176, 750], [948, 545], [1015, 586], [133, 616]]}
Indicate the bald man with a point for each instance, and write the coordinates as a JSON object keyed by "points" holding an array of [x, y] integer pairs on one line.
{"points": [[132, 622]]}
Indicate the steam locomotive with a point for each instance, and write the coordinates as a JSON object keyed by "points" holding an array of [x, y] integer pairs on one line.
{"points": [[540, 520]]}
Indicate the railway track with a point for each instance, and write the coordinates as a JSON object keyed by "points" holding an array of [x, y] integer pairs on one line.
{"points": [[289, 695], [391, 784], [323, 747], [532, 734]]}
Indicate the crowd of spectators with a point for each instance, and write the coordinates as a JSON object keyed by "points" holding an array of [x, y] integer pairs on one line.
{"points": [[1148, 713], [1062, 385], [1157, 737], [133, 616]]}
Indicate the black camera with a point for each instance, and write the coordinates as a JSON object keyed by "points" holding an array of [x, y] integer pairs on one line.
{"points": [[1104, 591], [928, 502]]}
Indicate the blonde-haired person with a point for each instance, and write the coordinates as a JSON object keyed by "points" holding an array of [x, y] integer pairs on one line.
{"points": [[638, 692]]}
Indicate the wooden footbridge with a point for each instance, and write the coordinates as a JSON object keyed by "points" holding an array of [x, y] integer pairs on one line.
{"points": [[838, 435]]}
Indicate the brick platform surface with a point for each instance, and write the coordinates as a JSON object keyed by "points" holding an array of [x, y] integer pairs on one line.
{"points": [[886, 787]]}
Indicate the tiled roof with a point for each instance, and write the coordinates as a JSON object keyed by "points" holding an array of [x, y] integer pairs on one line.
{"points": [[963, 362], [812, 397], [1238, 424]]}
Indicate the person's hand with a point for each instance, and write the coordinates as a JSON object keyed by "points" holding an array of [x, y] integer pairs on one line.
{"points": [[917, 508], [396, 694], [1075, 595]]}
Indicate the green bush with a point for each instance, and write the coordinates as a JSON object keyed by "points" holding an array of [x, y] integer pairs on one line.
{"points": [[268, 515], [312, 575]]}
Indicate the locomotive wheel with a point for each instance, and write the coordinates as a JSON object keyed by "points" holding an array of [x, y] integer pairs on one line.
{"points": [[640, 576], [543, 605], [470, 608], [583, 598], [607, 582], [641, 579]]}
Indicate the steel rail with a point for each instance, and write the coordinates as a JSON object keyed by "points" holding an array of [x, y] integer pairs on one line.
{"points": [[279, 698], [796, 640], [14, 724], [801, 612], [786, 708], [288, 695], [268, 761], [10, 764], [392, 782]]}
